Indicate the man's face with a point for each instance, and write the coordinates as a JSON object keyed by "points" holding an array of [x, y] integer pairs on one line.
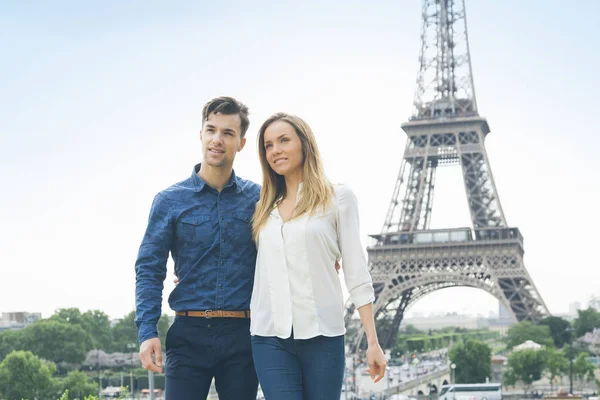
{"points": [[221, 139]]}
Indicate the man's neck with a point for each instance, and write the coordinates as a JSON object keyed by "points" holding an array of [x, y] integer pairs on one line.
{"points": [[215, 177]]}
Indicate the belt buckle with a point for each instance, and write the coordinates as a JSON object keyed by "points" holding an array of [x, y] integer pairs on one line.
{"points": [[206, 314]]}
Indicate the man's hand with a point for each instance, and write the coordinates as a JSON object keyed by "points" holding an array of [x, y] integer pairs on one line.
{"points": [[149, 348]]}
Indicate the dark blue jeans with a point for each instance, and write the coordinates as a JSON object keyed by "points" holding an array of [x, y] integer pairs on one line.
{"points": [[200, 349], [292, 369]]}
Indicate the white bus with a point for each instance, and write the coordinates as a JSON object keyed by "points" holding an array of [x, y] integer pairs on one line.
{"points": [[474, 391]]}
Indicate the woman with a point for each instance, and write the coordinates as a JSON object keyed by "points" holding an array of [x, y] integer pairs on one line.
{"points": [[303, 225]]}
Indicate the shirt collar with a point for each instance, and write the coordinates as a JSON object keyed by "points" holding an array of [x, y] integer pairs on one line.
{"points": [[199, 183], [281, 197]]}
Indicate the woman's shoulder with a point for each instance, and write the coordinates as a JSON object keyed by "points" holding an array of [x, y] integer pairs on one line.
{"points": [[342, 192]]}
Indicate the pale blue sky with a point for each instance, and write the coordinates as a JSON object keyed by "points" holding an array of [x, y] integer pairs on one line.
{"points": [[101, 107]]}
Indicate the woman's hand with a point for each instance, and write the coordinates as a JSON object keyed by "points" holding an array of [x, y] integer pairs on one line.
{"points": [[375, 357], [376, 361]]}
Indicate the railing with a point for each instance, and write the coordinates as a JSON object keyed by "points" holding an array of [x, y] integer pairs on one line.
{"points": [[419, 381], [447, 236]]}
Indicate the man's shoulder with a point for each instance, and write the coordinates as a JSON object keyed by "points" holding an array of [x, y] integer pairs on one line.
{"points": [[187, 187], [248, 187], [178, 189]]}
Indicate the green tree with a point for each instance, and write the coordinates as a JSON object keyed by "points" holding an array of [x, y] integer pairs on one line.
{"points": [[556, 364], [10, 341], [523, 331], [56, 341], [559, 330], [525, 366], [78, 384], [400, 347], [68, 315], [125, 332], [98, 325], [586, 321], [94, 322], [124, 394], [411, 330], [25, 376], [583, 369], [163, 327], [473, 361]]}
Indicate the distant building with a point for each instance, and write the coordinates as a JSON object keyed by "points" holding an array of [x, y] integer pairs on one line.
{"points": [[18, 320], [573, 308], [499, 366], [502, 329], [592, 339], [527, 345], [445, 321], [504, 315], [21, 317]]}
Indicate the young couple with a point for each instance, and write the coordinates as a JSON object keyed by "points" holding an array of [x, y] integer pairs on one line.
{"points": [[258, 296]]}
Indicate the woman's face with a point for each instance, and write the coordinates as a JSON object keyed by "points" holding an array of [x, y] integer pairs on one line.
{"points": [[283, 148]]}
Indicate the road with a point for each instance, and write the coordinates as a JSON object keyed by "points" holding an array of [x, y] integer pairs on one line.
{"points": [[396, 375]]}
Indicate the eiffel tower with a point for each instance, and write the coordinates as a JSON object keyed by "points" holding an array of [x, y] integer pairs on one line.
{"points": [[410, 260]]}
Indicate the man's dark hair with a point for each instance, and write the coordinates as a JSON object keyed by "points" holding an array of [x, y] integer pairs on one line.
{"points": [[227, 106]]}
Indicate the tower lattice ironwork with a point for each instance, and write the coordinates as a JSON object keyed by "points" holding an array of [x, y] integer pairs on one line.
{"points": [[411, 260]]}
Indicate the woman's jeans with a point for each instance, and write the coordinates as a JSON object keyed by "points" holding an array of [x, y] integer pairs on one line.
{"points": [[292, 369]]}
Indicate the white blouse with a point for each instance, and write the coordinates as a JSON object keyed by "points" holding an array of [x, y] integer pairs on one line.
{"points": [[295, 282]]}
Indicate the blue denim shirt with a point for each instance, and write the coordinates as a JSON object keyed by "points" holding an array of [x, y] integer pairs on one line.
{"points": [[208, 234]]}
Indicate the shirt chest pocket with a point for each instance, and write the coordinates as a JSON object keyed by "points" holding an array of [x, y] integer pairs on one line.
{"points": [[195, 229], [239, 228]]}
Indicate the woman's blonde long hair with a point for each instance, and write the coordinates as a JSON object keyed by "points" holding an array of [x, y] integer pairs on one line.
{"points": [[316, 189]]}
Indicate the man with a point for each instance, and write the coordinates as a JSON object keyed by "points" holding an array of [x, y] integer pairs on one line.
{"points": [[204, 222]]}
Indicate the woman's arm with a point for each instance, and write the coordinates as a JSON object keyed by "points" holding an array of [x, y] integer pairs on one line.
{"points": [[357, 277], [375, 357]]}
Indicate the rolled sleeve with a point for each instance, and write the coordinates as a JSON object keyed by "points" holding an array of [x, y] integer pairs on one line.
{"points": [[151, 268], [356, 273]]}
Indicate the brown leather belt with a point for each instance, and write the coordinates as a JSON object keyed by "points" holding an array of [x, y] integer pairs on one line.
{"points": [[214, 314]]}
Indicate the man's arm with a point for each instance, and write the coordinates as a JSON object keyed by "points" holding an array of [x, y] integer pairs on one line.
{"points": [[150, 273]]}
